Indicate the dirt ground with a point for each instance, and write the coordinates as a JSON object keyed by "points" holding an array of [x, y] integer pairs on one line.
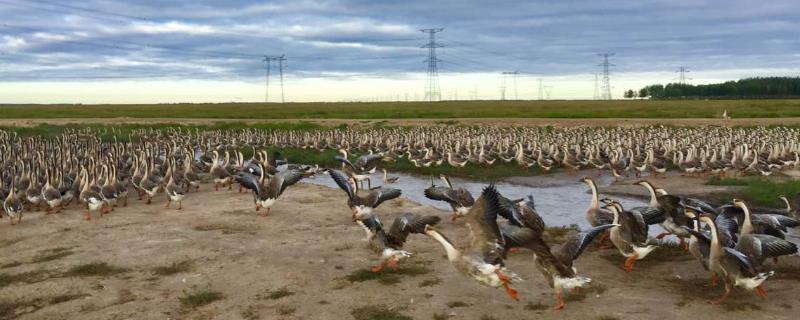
{"points": [[558, 122], [308, 260]]}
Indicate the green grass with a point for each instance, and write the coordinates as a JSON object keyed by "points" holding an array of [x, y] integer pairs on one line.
{"points": [[52, 254], [440, 110], [760, 191], [174, 268], [100, 269], [388, 276], [379, 312], [199, 298], [278, 293]]}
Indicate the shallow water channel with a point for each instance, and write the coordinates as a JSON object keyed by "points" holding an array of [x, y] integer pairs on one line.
{"points": [[560, 204]]}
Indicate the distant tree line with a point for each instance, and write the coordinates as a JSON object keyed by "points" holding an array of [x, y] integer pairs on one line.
{"points": [[750, 88]]}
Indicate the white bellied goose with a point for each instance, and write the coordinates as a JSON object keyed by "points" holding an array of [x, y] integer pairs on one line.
{"points": [[361, 170], [482, 259], [92, 199], [390, 244], [736, 267], [268, 193], [173, 191], [220, 175], [362, 207], [629, 235]]}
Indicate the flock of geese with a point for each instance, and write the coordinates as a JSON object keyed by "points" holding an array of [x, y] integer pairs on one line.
{"points": [[733, 242]]}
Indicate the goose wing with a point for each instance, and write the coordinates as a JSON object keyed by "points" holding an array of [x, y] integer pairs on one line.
{"points": [[760, 246], [744, 262], [510, 211], [406, 224], [343, 183], [651, 215], [376, 197], [482, 224], [572, 249], [282, 180], [346, 162], [367, 161], [726, 229], [438, 193]]}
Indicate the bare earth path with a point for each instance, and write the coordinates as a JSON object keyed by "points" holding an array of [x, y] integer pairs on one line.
{"points": [[294, 264], [415, 122]]}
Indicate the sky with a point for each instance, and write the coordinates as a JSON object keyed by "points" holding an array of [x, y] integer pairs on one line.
{"points": [[104, 51]]}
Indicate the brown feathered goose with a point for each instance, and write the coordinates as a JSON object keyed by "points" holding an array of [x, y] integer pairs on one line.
{"points": [[362, 207], [556, 266], [460, 200], [482, 259], [390, 244]]}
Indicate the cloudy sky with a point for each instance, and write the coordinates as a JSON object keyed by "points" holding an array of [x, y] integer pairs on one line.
{"points": [[337, 50]]}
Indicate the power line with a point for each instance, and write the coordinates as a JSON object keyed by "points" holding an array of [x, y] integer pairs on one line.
{"points": [[432, 91], [606, 79], [596, 86]]}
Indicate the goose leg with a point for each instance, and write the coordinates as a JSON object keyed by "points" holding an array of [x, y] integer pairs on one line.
{"points": [[761, 292], [724, 296], [509, 290], [629, 263], [559, 301], [663, 234], [393, 264], [180, 205], [88, 215], [216, 186], [378, 268], [166, 206], [714, 279]]}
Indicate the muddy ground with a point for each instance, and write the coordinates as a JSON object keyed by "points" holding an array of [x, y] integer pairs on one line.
{"points": [[557, 122], [216, 259]]}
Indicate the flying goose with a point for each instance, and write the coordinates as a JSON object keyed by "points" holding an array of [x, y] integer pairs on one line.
{"points": [[460, 199], [390, 244], [556, 266], [362, 207], [482, 259]]}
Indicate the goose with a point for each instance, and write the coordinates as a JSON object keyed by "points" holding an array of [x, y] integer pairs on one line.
{"points": [[174, 192], [361, 170], [191, 178], [790, 210], [629, 235], [387, 179], [390, 244], [460, 199], [556, 266], [482, 259], [148, 186], [92, 199], [121, 186], [735, 267], [220, 175], [595, 215], [33, 194], [267, 194], [12, 205], [108, 191], [51, 195], [362, 207]]}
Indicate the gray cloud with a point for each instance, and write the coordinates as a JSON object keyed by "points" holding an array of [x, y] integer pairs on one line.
{"points": [[45, 39]]}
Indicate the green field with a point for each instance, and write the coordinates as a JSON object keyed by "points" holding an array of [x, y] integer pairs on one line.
{"points": [[407, 110]]}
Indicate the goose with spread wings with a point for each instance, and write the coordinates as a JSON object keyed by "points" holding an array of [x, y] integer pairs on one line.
{"points": [[361, 170], [362, 207], [482, 259], [390, 243], [267, 194], [557, 266], [460, 200]]}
